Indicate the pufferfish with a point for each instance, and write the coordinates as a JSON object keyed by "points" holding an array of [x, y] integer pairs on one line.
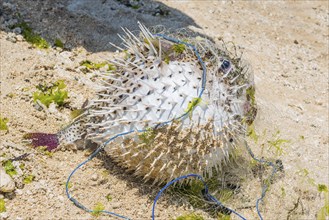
{"points": [[175, 104]]}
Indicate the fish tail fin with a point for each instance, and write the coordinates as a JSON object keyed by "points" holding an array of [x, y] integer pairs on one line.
{"points": [[68, 135]]}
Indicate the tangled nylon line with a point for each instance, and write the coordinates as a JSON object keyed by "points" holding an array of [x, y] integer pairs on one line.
{"points": [[205, 191]]}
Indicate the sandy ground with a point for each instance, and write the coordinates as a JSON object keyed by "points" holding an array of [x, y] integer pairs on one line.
{"points": [[285, 42]]}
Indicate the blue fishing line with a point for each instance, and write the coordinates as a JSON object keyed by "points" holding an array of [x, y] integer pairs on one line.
{"points": [[265, 187], [209, 196]]}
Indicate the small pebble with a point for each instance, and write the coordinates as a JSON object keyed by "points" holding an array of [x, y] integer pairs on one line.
{"points": [[17, 30], [50, 196], [94, 177], [52, 108], [19, 192], [11, 37], [115, 205], [61, 198], [4, 215], [59, 49], [19, 38]]}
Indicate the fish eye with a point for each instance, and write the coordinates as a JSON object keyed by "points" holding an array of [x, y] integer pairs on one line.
{"points": [[225, 65]]}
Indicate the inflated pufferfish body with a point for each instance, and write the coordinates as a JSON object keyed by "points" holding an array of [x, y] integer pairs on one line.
{"points": [[174, 113]]}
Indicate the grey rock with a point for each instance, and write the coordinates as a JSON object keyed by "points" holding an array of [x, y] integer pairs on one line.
{"points": [[6, 182], [11, 22], [17, 30], [7, 5]]}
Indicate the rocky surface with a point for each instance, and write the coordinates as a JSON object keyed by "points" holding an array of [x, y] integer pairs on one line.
{"points": [[285, 42]]}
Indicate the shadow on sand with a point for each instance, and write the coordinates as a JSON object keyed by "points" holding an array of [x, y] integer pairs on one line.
{"points": [[93, 24]]}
